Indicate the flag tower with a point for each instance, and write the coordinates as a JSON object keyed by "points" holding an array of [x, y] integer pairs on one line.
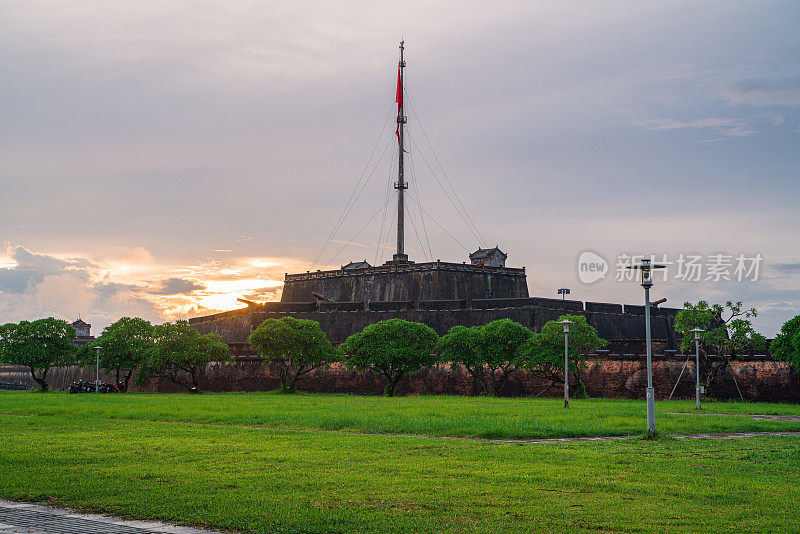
{"points": [[401, 185]]}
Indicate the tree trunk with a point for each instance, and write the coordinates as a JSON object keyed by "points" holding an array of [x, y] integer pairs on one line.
{"points": [[196, 387], [285, 378], [712, 369], [290, 385], [126, 378], [503, 381], [388, 391], [491, 388], [41, 381], [478, 374], [579, 392]]}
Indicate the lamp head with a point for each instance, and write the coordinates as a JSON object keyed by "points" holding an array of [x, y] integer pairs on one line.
{"points": [[646, 267], [566, 323], [696, 332]]}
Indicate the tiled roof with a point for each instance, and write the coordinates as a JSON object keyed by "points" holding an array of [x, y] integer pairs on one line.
{"points": [[357, 265], [485, 252]]}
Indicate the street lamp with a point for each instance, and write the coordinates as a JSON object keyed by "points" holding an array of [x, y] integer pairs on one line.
{"points": [[647, 282], [564, 291], [696, 332], [566, 323], [97, 376]]}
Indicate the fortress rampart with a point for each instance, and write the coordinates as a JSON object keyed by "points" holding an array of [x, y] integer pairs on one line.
{"points": [[623, 327], [759, 378], [407, 282]]}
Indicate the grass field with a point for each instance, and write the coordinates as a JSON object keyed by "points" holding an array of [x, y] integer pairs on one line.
{"points": [[202, 460], [479, 417]]}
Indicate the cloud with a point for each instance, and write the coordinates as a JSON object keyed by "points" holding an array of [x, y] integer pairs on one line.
{"points": [[30, 269], [149, 139], [125, 281], [727, 127], [786, 268], [766, 91], [175, 286], [39, 284]]}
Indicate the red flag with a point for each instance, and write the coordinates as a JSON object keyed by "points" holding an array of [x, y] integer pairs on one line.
{"points": [[399, 97]]}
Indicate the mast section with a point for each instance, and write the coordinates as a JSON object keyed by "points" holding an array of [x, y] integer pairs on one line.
{"points": [[401, 185]]}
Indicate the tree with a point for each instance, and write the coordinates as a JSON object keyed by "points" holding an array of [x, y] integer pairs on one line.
{"points": [[462, 345], [488, 352], [179, 352], [786, 345], [724, 338], [295, 346], [393, 348], [124, 347], [544, 352], [38, 345]]}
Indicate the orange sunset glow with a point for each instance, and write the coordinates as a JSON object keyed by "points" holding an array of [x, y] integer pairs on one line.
{"points": [[132, 278]]}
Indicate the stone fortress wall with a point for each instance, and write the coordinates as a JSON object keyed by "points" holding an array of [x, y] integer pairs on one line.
{"points": [[616, 372], [405, 282], [622, 325], [759, 378]]}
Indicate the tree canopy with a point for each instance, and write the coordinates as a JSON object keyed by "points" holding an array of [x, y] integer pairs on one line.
{"points": [[543, 353], [728, 332], [295, 346], [392, 348], [179, 353], [38, 345], [489, 353], [124, 347], [786, 345]]}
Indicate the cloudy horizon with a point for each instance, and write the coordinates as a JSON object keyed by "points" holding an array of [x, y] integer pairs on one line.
{"points": [[166, 159]]}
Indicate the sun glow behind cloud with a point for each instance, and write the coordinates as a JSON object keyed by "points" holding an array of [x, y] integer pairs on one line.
{"points": [[115, 279]]}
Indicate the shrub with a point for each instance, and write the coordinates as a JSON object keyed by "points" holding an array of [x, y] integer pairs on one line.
{"points": [[392, 348], [295, 346], [489, 353], [38, 345], [786, 345], [178, 354], [544, 352]]}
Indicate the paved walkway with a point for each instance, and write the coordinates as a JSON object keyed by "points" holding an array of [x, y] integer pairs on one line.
{"points": [[34, 519], [723, 435], [787, 418]]}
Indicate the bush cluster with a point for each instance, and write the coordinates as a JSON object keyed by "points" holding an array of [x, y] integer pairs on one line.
{"points": [[395, 348], [392, 348], [174, 351]]}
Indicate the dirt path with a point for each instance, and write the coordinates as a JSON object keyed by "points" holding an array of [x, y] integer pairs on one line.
{"points": [[786, 418], [723, 435]]}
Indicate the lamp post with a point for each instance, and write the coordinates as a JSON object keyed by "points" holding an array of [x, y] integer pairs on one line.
{"points": [[97, 369], [564, 291], [647, 282], [696, 332], [566, 323]]}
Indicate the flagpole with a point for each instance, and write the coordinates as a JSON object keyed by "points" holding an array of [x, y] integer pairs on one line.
{"points": [[400, 184]]}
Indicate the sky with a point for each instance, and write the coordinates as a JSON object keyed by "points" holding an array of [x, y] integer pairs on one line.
{"points": [[162, 159]]}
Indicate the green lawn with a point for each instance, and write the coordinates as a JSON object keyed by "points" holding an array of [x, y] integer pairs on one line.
{"points": [[145, 456], [482, 417]]}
